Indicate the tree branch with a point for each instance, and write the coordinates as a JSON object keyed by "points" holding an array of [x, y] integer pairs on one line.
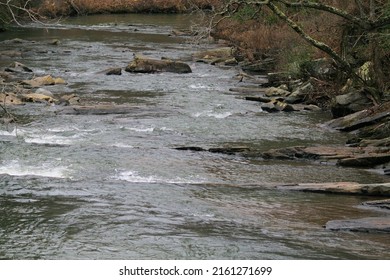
{"points": [[344, 65], [11, 8], [330, 9]]}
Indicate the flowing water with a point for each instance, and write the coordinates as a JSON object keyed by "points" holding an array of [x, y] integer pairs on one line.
{"points": [[113, 186]]}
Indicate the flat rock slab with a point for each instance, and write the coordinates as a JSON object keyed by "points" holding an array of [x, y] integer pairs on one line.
{"points": [[101, 109], [221, 150], [361, 118], [374, 224], [340, 188], [341, 155], [381, 204]]}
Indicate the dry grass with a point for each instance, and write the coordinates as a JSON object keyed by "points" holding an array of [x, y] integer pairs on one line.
{"points": [[57, 7]]}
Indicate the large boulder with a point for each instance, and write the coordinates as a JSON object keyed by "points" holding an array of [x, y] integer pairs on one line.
{"points": [[149, 65], [323, 69], [351, 102]]}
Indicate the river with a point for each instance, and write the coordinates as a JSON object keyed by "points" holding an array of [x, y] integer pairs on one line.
{"points": [[114, 186]]}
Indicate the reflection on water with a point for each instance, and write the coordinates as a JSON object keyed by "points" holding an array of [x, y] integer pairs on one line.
{"points": [[114, 186]]}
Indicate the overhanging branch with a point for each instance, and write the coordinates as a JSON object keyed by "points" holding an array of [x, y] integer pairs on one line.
{"points": [[345, 66]]}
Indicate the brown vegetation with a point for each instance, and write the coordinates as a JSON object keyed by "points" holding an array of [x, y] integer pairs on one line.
{"points": [[57, 7], [355, 34]]}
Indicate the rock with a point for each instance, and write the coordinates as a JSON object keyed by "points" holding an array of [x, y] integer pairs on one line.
{"points": [[70, 99], [364, 118], [277, 106], [343, 156], [367, 160], [113, 71], [220, 150], [10, 54], [43, 81], [311, 107], [18, 67], [99, 109], [300, 94], [10, 99], [231, 62], [269, 107], [176, 32], [229, 150], [5, 76], [372, 224], [379, 129], [274, 91], [16, 41], [323, 69], [350, 103], [44, 92], [59, 81], [224, 52], [259, 67], [190, 148], [385, 142], [254, 90], [340, 188], [258, 99], [37, 98], [278, 78], [148, 65], [381, 204], [55, 42]]}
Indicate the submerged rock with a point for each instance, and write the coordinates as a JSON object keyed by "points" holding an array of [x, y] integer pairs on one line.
{"points": [[340, 188], [99, 109], [381, 204], [341, 155], [228, 150], [372, 224], [148, 65], [113, 71]]}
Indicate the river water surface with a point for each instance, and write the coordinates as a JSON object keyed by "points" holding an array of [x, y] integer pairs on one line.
{"points": [[113, 186]]}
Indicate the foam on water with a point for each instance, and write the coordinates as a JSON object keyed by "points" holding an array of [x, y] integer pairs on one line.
{"points": [[140, 129], [49, 139], [16, 168], [135, 177], [220, 115]]}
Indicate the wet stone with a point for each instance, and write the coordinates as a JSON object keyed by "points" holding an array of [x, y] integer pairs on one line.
{"points": [[371, 224], [382, 204]]}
